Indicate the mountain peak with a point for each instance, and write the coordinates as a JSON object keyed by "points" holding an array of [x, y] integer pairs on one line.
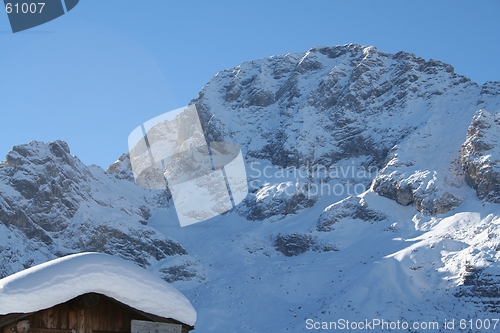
{"points": [[38, 152], [365, 169]]}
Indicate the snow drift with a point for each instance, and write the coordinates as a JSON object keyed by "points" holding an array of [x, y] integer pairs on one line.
{"points": [[60, 280]]}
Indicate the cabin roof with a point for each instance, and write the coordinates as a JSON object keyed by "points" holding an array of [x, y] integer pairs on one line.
{"points": [[60, 280]]}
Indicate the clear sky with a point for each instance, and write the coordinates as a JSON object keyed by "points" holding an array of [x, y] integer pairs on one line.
{"points": [[93, 75]]}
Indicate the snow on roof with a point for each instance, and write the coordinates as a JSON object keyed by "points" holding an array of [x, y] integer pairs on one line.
{"points": [[60, 280]]}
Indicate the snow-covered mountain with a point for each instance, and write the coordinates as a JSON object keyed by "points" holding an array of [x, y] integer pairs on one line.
{"points": [[51, 205], [374, 188]]}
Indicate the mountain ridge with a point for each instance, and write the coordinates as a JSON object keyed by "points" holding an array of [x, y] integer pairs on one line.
{"points": [[373, 181]]}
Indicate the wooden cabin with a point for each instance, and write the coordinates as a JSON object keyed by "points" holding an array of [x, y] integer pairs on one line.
{"points": [[92, 293], [90, 313]]}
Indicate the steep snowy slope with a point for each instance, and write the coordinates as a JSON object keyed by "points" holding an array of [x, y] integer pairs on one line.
{"points": [[373, 184], [418, 246]]}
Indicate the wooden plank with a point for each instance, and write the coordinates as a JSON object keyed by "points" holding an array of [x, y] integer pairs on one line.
{"points": [[50, 318], [55, 317], [72, 319], [63, 317], [58, 330], [81, 321]]}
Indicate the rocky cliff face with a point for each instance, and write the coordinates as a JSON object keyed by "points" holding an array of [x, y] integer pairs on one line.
{"points": [[398, 112], [481, 155], [374, 191], [347, 110], [52, 205]]}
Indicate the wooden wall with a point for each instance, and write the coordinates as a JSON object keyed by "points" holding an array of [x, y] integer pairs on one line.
{"points": [[107, 316]]}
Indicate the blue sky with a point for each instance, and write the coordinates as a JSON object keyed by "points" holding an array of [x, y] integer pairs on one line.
{"points": [[93, 75]]}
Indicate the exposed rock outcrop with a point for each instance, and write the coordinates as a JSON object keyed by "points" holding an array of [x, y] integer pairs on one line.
{"points": [[352, 207], [481, 155], [53, 205]]}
